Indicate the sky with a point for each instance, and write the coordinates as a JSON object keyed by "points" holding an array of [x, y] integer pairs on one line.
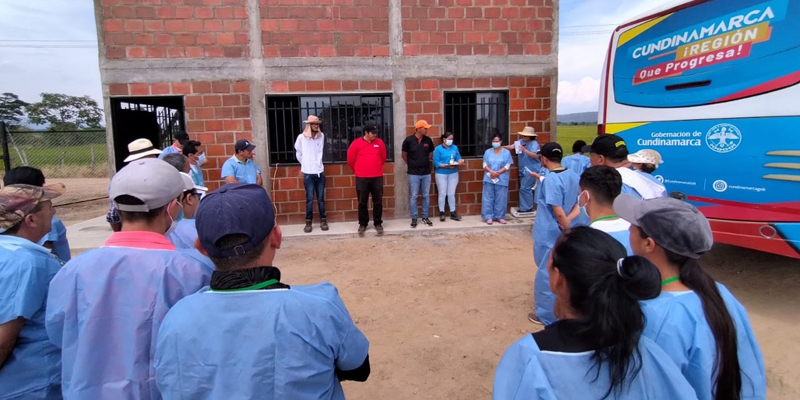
{"points": [[34, 34]]}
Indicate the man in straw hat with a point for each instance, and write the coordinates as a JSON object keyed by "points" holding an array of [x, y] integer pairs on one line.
{"points": [[527, 148], [137, 149], [29, 363], [309, 150]]}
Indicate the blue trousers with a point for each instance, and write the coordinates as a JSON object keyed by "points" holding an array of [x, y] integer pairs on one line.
{"points": [[494, 201], [415, 183], [542, 296], [526, 192], [315, 184]]}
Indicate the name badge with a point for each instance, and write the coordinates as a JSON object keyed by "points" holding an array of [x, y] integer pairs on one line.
{"points": [[375, 145]]}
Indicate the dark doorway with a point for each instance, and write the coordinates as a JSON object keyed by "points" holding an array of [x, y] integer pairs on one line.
{"points": [[153, 118]]}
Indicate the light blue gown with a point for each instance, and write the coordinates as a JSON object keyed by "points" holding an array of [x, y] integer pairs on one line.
{"points": [[677, 323], [494, 201], [184, 234], [527, 182], [258, 344], [58, 237], [577, 163]]}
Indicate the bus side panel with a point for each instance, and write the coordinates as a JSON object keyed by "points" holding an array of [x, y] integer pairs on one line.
{"points": [[743, 173]]}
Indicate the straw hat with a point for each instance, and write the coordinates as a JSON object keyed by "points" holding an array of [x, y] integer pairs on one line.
{"points": [[312, 119], [646, 156], [140, 148], [528, 131]]}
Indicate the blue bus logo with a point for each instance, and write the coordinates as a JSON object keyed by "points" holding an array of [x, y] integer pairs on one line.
{"points": [[723, 138]]}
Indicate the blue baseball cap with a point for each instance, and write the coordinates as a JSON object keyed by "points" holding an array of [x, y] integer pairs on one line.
{"points": [[238, 208]]}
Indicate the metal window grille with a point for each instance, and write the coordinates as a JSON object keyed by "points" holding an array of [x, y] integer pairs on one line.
{"points": [[168, 119], [474, 117], [343, 117]]}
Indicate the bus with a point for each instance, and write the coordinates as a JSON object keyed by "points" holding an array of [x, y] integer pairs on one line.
{"points": [[713, 86]]}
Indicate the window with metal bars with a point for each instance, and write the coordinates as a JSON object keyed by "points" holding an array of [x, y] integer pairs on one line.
{"points": [[343, 117], [473, 118]]}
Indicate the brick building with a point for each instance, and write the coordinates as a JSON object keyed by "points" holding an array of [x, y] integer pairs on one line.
{"points": [[231, 69]]}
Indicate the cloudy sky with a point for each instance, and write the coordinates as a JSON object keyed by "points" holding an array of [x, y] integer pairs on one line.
{"points": [[48, 46]]}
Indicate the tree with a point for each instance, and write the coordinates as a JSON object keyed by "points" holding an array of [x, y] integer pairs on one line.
{"points": [[64, 112], [11, 109]]}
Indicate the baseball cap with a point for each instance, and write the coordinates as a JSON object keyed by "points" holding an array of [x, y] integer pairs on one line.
{"points": [[154, 182], [188, 182], [370, 127], [609, 145], [673, 224], [17, 201], [181, 136], [646, 157], [422, 124], [552, 150], [140, 148], [238, 208], [244, 144]]}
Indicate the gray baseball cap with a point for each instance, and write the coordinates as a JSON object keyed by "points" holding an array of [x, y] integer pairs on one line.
{"points": [[673, 224], [153, 181]]}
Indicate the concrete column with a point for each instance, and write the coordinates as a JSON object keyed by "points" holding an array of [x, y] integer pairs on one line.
{"points": [[399, 108], [258, 108]]}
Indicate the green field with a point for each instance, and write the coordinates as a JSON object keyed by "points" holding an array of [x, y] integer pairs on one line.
{"points": [[568, 134]]}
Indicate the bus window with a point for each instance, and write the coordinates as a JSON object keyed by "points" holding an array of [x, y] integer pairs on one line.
{"points": [[712, 52]]}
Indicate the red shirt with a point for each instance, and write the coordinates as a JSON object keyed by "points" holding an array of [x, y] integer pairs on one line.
{"points": [[366, 159]]}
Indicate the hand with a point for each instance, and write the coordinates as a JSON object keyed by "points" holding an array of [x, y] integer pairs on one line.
{"points": [[535, 175], [461, 162], [494, 174]]}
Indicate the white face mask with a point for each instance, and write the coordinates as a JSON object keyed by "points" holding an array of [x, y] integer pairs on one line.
{"points": [[201, 159], [449, 142], [173, 223]]}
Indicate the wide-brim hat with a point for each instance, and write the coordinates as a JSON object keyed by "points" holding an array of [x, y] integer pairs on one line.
{"points": [[312, 119], [140, 148], [528, 131], [646, 157]]}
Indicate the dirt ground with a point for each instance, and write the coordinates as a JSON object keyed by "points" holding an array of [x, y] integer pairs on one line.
{"points": [[439, 311]]}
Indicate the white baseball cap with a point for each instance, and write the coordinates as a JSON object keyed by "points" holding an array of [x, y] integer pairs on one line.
{"points": [[154, 182], [189, 183]]}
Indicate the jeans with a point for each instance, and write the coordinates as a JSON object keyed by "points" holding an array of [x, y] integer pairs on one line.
{"points": [[414, 183], [446, 186], [364, 188], [494, 201], [315, 184]]}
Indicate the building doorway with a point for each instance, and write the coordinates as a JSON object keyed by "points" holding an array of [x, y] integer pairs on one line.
{"points": [[154, 118]]}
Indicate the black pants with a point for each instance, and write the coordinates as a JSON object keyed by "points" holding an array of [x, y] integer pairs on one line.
{"points": [[364, 188]]}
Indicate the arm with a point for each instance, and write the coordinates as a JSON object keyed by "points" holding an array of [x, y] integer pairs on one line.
{"points": [[232, 179], [530, 153], [298, 148], [405, 157], [228, 173], [9, 332], [259, 181], [563, 222], [351, 156], [576, 211], [383, 152]]}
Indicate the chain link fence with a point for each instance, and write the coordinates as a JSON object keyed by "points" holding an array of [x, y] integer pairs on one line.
{"points": [[78, 159]]}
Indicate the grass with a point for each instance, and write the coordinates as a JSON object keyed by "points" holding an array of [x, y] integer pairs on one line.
{"points": [[64, 161], [568, 134]]}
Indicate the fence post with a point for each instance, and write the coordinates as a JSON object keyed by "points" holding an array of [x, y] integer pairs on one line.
{"points": [[4, 138], [63, 156], [91, 150]]}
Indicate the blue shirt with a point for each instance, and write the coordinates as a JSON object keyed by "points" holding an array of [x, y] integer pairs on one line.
{"points": [[25, 273], [525, 160], [258, 344], [184, 234], [244, 172], [496, 162], [442, 155], [677, 323], [168, 150], [618, 229], [104, 310], [526, 372], [197, 174], [58, 237], [559, 189], [577, 163]]}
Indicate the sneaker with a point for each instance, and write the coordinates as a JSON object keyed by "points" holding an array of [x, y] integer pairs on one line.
{"points": [[489, 221], [414, 223], [323, 224], [307, 228], [525, 211], [502, 221], [379, 229], [427, 222], [361, 230], [533, 318], [454, 216], [441, 216]]}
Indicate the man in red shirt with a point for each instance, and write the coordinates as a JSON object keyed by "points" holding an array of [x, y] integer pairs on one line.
{"points": [[366, 157]]}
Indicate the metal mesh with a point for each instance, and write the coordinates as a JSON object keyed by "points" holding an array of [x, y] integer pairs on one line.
{"points": [[78, 159]]}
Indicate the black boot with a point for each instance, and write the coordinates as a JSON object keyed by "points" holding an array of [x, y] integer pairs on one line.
{"points": [[454, 216], [307, 228], [441, 216]]}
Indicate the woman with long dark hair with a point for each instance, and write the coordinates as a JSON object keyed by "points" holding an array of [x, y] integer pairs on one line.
{"points": [[696, 320], [595, 350]]}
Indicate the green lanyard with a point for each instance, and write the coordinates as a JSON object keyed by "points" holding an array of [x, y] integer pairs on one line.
{"points": [[254, 287], [667, 281], [615, 216]]}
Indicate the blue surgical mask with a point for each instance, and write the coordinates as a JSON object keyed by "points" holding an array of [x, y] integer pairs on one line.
{"points": [[583, 207], [449, 142], [496, 145]]}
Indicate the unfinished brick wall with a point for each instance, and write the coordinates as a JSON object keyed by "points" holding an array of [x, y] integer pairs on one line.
{"points": [[529, 105], [325, 28], [217, 115], [175, 28], [477, 27]]}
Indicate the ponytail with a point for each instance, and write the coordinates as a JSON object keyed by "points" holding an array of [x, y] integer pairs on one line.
{"points": [[729, 377], [605, 288]]}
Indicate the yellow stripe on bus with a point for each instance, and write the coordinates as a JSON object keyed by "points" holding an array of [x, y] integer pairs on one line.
{"points": [[616, 128], [789, 153], [636, 31], [779, 177], [783, 165]]}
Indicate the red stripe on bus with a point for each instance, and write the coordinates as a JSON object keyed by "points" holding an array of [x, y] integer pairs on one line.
{"points": [[775, 84]]}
